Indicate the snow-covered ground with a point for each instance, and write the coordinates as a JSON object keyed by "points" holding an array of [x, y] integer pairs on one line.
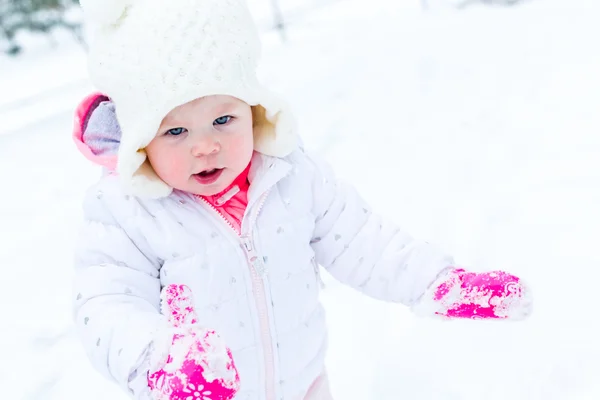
{"points": [[478, 130]]}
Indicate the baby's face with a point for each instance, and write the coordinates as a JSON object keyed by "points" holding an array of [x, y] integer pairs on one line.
{"points": [[203, 145]]}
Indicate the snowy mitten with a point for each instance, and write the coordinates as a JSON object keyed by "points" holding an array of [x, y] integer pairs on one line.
{"points": [[487, 295], [194, 364]]}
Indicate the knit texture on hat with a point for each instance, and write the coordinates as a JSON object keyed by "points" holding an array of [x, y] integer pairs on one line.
{"points": [[151, 56]]}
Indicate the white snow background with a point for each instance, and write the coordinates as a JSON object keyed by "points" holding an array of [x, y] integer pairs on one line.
{"points": [[477, 129]]}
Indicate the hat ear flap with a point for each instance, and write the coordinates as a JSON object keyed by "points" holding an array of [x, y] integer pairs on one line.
{"points": [[140, 179], [274, 133]]}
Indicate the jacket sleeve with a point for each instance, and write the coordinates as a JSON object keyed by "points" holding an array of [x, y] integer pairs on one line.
{"points": [[365, 251], [117, 288]]}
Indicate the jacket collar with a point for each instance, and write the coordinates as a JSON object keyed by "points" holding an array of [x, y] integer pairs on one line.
{"points": [[265, 172]]}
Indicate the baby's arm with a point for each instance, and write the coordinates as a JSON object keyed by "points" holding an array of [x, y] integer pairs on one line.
{"points": [[117, 289], [118, 312], [365, 251]]}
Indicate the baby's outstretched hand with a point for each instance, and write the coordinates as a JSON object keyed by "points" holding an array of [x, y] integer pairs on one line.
{"points": [[487, 295], [192, 362]]}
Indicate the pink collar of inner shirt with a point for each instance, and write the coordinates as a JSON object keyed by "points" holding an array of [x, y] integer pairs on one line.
{"points": [[239, 185]]}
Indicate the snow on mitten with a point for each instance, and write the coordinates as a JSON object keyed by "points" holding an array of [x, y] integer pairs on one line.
{"points": [[487, 295], [197, 365]]}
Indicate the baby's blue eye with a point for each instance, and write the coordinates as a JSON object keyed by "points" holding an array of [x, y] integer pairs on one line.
{"points": [[222, 120], [176, 131]]}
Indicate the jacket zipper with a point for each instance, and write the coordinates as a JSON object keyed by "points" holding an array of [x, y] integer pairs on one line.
{"points": [[218, 213], [257, 271]]}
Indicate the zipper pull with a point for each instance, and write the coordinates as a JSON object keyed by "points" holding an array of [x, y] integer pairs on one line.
{"points": [[227, 196], [247, 244], [258, 265], [255, 261]]}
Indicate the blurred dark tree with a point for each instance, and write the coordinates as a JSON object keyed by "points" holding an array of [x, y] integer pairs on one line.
{"points": [[36, 16]]}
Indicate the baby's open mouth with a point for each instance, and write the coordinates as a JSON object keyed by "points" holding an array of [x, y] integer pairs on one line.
{"points": [[208, 176], [209, 172]]}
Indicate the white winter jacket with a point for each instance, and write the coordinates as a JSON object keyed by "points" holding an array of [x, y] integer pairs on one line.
{"points": [[258, 290]]}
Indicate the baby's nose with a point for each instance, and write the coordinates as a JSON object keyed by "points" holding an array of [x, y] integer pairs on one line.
{"points": [[205, 146]]}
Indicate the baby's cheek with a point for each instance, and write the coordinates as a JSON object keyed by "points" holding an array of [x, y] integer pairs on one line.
{"points": [[241, 148], [171, 166], [180, 164]]}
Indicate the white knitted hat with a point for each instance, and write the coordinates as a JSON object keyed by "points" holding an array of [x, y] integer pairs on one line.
{"points": [[150, 56]]}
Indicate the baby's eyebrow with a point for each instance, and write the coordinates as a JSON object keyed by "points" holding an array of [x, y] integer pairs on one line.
{"points": [[169, 121], [173, 120], [228, 105]]}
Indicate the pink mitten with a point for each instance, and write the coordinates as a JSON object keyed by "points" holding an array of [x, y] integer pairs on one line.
{"points": [[197, 365], [487, 295]]}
